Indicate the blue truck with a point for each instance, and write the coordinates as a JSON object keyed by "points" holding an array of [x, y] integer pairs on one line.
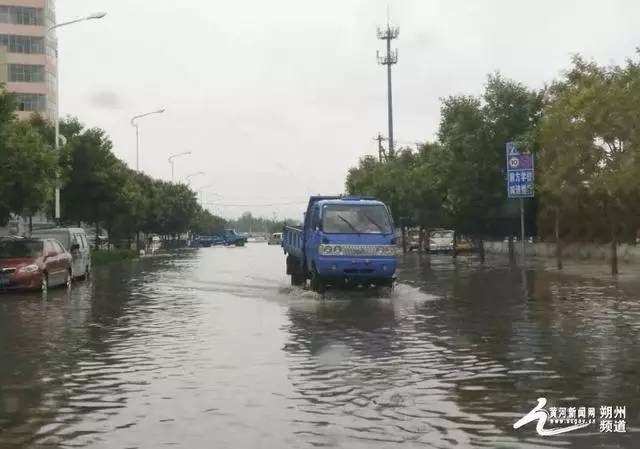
{"points": [[345, 240], [228, 237]]}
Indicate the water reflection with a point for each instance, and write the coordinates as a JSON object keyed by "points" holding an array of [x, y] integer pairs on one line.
{"points": [[211, 348], [459, 370]]}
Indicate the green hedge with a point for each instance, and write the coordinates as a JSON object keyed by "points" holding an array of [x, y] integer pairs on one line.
{"points": [[103, 256]]}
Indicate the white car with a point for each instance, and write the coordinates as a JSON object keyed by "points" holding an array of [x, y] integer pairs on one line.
{"points": [[441, 241]]}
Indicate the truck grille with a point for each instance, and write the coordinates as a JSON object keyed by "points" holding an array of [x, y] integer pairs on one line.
{"points": [[359, 250]]}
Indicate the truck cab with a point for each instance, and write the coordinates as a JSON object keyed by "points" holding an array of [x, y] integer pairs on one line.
{"points": [[345, 241]]}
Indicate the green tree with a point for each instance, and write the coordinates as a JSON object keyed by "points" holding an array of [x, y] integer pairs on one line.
{"points": [[28, 170], [7, 112], [94, 178], [205, 223], [28, 164], [590, 142]]}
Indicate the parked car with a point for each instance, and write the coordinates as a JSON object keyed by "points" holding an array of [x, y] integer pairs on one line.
{"points": [[31, 264], [413, 239], [75, 240], [465, 244], [441, 241]]}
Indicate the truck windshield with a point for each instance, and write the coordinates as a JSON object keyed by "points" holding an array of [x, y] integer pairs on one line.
{"points": [[356, 219]]}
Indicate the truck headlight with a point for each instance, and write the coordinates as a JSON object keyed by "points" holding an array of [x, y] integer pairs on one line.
{"points": [[389, 250]]}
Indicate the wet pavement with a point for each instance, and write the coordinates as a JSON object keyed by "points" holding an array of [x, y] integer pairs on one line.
{"points": [[211, 348]]}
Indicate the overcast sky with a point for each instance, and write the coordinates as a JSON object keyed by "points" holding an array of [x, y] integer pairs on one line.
{"points": [[277, 99]]}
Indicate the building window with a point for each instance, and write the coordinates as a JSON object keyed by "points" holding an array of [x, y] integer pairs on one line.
{"points": [[19, 73], [31, 102], [22, 44], [21, 15]]}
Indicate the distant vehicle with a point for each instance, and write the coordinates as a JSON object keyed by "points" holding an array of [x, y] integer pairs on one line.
{"points": [[228, 237], [413, 239], [465, 244], [154, 244], [231, 237], [32, 264], [344, 241], [275, 239], [76, 242], [441, 241], [206, 241]]}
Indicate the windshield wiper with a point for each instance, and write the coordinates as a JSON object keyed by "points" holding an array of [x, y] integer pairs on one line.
{"points": [[349, 224], [375, 223]]}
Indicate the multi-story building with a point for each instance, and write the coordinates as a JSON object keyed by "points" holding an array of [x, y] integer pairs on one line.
{"points": [[28, 59], [28, 55]]}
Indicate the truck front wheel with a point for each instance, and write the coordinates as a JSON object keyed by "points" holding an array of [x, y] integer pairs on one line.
{"points": [[318, 284], [297, 280]]}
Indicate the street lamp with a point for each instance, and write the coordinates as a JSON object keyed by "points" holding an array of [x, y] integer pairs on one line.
{"points": [[135, 125], [173, 156], [94, 16], [192, 175], [202, 193]]}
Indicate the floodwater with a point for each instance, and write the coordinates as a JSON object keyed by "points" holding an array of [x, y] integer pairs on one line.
{"points": [[211, 348]]}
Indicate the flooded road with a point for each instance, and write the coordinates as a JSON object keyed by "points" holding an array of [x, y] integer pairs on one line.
{"points": [[211, 348]]}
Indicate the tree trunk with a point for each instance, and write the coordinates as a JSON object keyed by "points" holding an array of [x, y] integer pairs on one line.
{"points": [[455, 241], [481, 249], [512, 252], [97, 243], [420, 239], [30, 225], [404, 240], [558, 239], [614, 247]]}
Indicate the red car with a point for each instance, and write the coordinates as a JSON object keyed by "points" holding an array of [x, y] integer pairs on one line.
{"points": [[33, 264]]}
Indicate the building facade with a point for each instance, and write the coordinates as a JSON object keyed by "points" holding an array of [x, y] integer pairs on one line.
{"points": [[28, 55]]}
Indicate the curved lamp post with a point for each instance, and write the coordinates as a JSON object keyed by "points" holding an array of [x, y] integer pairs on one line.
{"points": [[94, 16], [192, 175], [173, 156], [134, 123]]}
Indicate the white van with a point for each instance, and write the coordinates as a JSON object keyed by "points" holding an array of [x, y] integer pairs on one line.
{"points": [[75, 241]]}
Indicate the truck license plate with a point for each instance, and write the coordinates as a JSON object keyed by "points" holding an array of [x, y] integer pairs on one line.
{"points": [[4, 279]]}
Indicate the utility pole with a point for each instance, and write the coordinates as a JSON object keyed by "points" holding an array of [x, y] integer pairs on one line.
{"points": [[381, 153], [388, 34]]}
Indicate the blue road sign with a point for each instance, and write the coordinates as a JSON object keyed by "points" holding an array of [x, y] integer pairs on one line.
{"points": [[520, 172]]}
